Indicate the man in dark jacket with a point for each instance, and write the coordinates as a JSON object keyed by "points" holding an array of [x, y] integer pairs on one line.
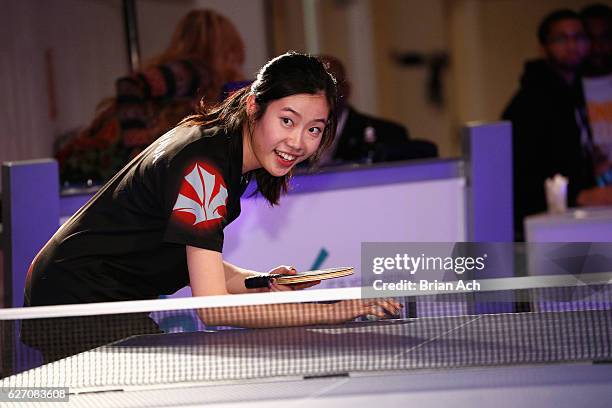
{"points": [[363, 138], [550, 130]]}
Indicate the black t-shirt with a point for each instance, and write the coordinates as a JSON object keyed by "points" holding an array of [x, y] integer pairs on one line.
{"points": [[128, 242]]}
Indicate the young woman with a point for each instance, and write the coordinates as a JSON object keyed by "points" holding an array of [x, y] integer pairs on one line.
{"points": [[158, 224]]}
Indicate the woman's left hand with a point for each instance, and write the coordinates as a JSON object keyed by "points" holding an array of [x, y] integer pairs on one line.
{"points": [[288, 270]]}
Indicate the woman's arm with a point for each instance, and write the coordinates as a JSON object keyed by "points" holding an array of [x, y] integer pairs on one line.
{"points": [[235, 276], [207, 275], [206, 272], [297, 314]]}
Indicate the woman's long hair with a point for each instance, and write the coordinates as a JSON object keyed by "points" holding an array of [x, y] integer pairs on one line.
{"points": [[206, 38], [288, 74]]}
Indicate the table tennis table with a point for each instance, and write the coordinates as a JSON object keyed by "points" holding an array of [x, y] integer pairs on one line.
{"points": [[560, 359]]}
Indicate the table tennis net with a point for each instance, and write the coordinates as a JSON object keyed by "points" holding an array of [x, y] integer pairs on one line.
{"points": [[161, 342]]}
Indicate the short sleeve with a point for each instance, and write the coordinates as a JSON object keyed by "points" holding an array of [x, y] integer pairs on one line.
{"points": [[198, 197]]}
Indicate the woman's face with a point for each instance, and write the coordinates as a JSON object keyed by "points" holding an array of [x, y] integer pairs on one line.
{"points": [[289, 132]]}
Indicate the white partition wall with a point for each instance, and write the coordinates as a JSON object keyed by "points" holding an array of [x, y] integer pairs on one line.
{"points": [[326, 228]]}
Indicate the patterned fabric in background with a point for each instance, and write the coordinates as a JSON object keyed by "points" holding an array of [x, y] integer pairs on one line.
{"points": [[147, 105]]}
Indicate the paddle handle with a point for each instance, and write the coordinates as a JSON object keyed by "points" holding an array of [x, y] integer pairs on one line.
{"points": [[262, 281]]}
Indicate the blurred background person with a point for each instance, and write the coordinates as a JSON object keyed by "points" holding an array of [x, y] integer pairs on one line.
{"points": [[205, 53], [598, 87], [362, 138], [550, 128], [598, 23]]}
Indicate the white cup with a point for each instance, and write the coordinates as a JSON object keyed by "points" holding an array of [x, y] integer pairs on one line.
{"points": [[556, 194]]}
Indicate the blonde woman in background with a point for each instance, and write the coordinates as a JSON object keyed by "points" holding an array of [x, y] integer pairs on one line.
{"points": [[205, 52]]}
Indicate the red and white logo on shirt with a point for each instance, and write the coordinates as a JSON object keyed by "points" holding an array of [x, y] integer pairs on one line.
{"points": [[202, 198]]}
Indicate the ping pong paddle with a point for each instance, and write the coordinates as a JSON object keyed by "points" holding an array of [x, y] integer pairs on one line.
{"points": [[302, 277]]}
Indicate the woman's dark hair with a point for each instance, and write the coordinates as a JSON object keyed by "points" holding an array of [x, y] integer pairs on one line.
{"points": [[288, 74]]}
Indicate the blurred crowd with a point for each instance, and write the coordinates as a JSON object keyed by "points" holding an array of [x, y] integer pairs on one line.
{"points": [[203, 64], [205, 53], [552, 113], [560, 114]]}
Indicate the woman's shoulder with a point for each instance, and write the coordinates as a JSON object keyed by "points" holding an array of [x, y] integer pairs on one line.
{"points": [[167, 79], [193, 141]]}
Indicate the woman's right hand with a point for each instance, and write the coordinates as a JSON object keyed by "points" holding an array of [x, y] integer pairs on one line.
{"points": [[347, 310]]}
